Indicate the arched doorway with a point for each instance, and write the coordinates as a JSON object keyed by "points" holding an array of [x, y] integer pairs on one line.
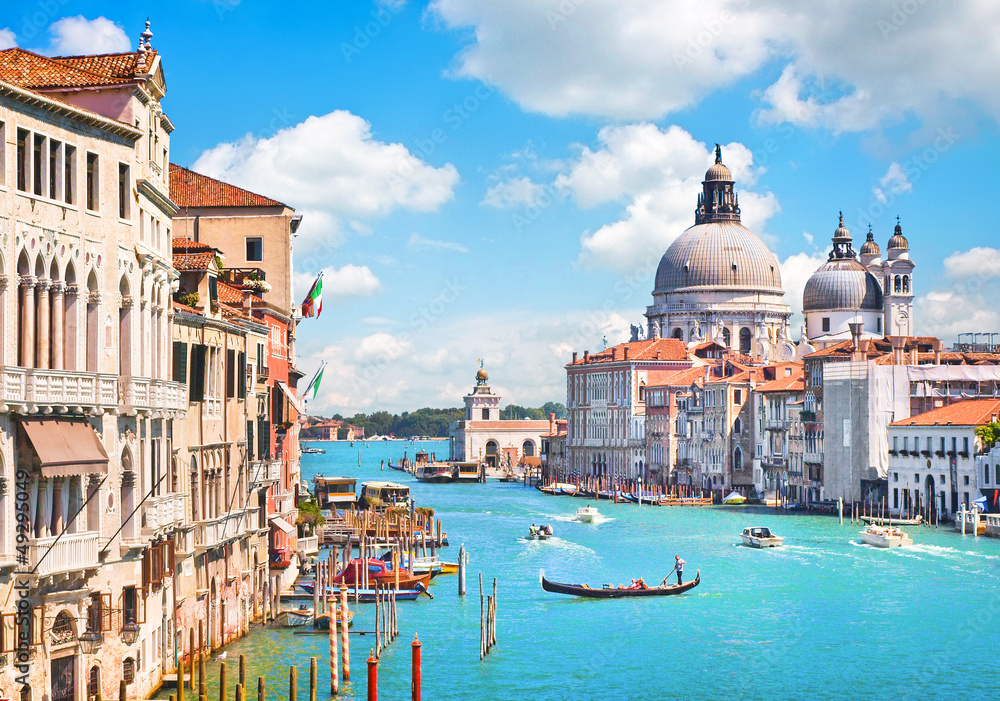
{"points": [[745, 340], [678, 333], [492, 448], [929, 492], [528, 449]]}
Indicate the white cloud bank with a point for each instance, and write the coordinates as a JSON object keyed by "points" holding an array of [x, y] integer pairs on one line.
{"points": [[8, 40], [73, 36], [339, 283], [596, 58]]}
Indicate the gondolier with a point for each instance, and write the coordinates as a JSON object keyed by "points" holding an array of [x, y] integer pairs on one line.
{"points": [[679, 568]]}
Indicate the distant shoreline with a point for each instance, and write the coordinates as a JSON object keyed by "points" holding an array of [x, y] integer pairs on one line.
{"points": [[369, 440]]}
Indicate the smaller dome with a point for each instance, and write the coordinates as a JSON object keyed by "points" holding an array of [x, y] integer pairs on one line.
{"points": [[898, 241], [842, 284], [869, 247], [718, 171]]}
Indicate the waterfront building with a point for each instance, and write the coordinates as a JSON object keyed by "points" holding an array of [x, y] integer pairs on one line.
{"points": [[727, 428], [483, 437], [778, 459], [554, 451], [87, 428], [988, 475], [718, 281], [933, 457], [606, 404], [666, 430]]}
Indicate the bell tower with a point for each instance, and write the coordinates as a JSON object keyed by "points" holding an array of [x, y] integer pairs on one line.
{"points": [[481, 404], [897, 281]]}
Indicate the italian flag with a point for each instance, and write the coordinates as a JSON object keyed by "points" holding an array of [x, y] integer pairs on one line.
{"points": [[314, 383], [313, 304]]}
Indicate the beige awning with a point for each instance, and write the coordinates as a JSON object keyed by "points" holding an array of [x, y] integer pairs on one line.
{"points": [[282, 524], [66, 447], [291, 397]]}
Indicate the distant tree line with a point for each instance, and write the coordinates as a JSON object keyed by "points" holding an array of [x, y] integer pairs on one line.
{"points": [[435, 422]]}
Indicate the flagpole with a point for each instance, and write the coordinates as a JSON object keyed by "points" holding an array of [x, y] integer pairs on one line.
{"points": [[315, 375]]}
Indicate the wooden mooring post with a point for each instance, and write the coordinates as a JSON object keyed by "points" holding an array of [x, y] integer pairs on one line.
{"points": [[243, 672], [461, 570], [345, 650], [260, 689], [222, 681], [293, 683], [334, 661]]}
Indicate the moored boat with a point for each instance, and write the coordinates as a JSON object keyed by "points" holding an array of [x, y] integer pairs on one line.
{"points": [[323, 622], [293, 618], [587, 514], [885, 537], [761, 537], [880, 521], [734, 499], [436, 473], [608, 591]]}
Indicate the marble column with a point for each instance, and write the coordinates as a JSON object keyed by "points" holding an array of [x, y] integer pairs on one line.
{"points": [[44, 327], [57, 505], [28, 322], [58, 308]]}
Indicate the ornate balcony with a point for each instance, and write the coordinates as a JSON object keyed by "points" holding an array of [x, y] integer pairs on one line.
{"points": [[73, 552], [262, 473], [212, 533], [31, 390], [163, 513], [143, 395]]}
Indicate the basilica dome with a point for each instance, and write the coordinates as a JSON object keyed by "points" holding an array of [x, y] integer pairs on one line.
{"points": [[842, 282]]}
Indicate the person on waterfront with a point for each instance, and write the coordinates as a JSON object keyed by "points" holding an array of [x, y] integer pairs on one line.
{"points": [[679, 569]]}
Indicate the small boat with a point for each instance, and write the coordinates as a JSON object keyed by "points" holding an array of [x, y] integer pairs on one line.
{"points": [[878, 520], [885, 537], [380, 573], [685, 501], [368, 595], [510, 477], [587, 514], [734, 499], [608, 591], [436, 473], [293, 618], [313, 451], [323, 622], [423, 565], [760, 537], [542, 532]]}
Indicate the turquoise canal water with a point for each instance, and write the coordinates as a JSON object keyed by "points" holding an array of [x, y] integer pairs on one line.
{"points": [[823, 617]]}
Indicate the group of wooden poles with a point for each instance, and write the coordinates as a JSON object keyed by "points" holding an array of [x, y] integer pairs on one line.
{"points": [[880, 512], [487, 619]]}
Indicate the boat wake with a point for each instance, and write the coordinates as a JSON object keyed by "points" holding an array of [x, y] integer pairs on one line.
{"points": [[561, 544], [598, 520]]}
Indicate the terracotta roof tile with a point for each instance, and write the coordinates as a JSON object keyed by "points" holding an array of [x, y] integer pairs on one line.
{"points": [[185, 308], [649, 350], [972, 412], [184, 245], [193, 261], [231, 294], [34, 72], [190, 189], [793, 383]]}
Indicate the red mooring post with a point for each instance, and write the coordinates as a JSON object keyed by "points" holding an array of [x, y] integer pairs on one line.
{"points": [[415, 683], [372, 676]]}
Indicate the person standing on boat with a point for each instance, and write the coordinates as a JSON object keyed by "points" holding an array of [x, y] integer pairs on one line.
{"points": [[679, 569]]}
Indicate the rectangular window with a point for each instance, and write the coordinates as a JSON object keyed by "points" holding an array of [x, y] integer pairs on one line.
{"points": [[124, 189], [895, 498], [93, 182], [895, 443], [997, 479], [55, 170], [826, 324], [23, 160], [942, 445], [486, 414], [38, 163], [965, 445], [230, 374], [878, 325], [255, 248], [180, 362], [895, 476], [69, 175], [966, 478], [196, 382], [737, 396]]}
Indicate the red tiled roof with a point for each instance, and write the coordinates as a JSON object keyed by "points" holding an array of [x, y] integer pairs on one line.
{"points": [[793, 383], [193, 261], [34, 72], [184, 245], [185, 308], [230, 294], [190, 189], [680, 378], [972, 412], [649, 350]]}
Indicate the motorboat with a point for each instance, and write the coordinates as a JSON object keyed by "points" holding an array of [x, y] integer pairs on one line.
{"points": [[335, 492], [885, 536], [542, 532], [587, 514], [761, 537], [734, 499], [294, 618], [609, 591], [380, 573], [313, 451], [436, 473]]}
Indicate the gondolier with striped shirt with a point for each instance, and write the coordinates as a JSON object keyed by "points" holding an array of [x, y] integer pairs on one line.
{"points": [[679, 569]]}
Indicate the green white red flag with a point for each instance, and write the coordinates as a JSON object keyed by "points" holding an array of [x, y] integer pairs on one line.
{"points": [[313, 304]]}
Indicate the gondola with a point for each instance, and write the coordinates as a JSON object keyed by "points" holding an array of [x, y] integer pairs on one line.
{"points": [[608, 592]]}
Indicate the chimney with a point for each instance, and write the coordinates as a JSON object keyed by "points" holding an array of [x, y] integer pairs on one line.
{"points": [[614, 352], [586, 356], [626, 352], [659, 355], [936, 345], [856, 327], [897, 348], [574, 358], [552, 423], [913, 355]]}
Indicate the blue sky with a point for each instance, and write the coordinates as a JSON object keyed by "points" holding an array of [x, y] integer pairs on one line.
{"points": [[498, 179]]}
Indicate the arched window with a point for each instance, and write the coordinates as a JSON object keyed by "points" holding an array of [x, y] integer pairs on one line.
{"points": [[62, 628], [125, 328], [70, 320], [127, 496], [94, 683], [25, 312], [738, 459], [745, 340], [898, 284], [678, 333], [738, 425], [906, 283], [93, 322], [528, 449]]}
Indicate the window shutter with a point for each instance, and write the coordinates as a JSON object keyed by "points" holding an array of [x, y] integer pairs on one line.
{"points": [[140, 605], [180, 361], [241, 368], [230, 374], [168, 565], [106, 612], [147, 557], [197, 382], [8, 636], [37, 624]]}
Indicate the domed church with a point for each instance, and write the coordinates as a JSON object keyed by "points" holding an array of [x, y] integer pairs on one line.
{"points": [[877, 293], [718, 281]]}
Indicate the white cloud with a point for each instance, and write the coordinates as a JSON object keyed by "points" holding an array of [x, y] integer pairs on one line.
{"points": [[511, 194], [339, 283], [8, 40], [848, 64], [417, 242], [796, 270], [947, 313], [657, 175], [895, 180], [72, 36], [981, 262], [331, 165]]}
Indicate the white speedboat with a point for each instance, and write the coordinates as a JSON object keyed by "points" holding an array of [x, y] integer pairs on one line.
{"points": [[587, 514], [293, 618], [885, 537], [539, 532], [760, 537], [734, 498]]}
